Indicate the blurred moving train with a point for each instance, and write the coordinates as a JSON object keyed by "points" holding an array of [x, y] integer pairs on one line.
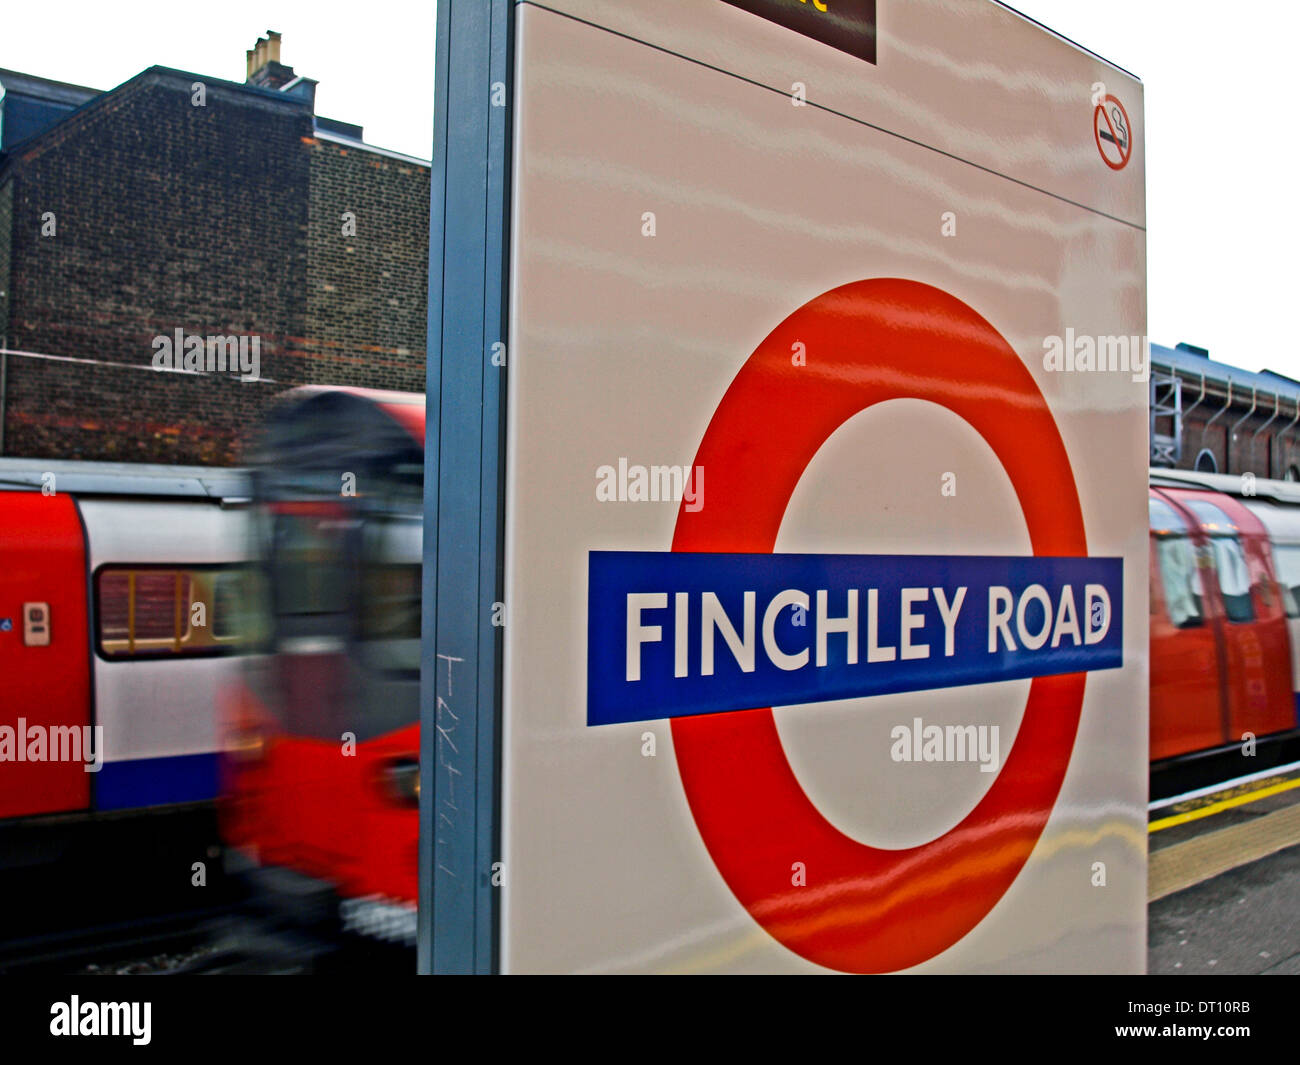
{"points": [[342, 577], [322, 784]]}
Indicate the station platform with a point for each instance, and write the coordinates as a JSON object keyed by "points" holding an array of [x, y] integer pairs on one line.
{"points": [[1223, 882]]}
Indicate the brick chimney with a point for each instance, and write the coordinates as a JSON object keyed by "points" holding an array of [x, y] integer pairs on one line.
{"points": [[264, 66]]}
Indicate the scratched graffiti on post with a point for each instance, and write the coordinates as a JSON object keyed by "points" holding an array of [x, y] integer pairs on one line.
{"points": [[445, 722]]}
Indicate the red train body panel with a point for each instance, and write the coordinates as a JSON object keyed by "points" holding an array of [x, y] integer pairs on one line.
{"points": [[1220, 651], [46, 674]]}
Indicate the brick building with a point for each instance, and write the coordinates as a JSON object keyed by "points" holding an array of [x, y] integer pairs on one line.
{"points": [[223, 210], [1209, 416]]}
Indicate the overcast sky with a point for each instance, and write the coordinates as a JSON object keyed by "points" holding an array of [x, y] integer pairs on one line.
{"points": [[1219, 128]]}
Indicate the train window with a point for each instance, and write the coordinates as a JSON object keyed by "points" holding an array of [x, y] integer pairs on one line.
{"points": [[1214, 522], [390, 617], [226, 600], [239, 605], [1288, 575], [143, 605], [1229, 560], [309, 554], [159, 611], [1179, 573], [1234, 578], [390, 593]]}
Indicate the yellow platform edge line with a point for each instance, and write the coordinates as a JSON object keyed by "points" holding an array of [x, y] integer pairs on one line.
{"points": [[1219, 807]]}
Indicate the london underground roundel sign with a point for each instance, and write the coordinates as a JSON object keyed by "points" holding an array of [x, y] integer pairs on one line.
{"points": [[867, 909]]}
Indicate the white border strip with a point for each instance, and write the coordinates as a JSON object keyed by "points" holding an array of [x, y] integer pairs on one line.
{"points": [[1224, 785], [362, 146]]}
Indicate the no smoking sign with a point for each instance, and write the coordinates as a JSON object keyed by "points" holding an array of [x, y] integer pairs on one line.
{"points": [[1113, 132]]}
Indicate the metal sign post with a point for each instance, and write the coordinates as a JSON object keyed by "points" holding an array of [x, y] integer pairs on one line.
{"points": [[464, 478]]}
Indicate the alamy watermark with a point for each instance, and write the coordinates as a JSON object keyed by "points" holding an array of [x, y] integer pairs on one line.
{"points": [[54, 743], [210, 354], [651, 484], [920, 742], [75, 1017], [1082, 353]]}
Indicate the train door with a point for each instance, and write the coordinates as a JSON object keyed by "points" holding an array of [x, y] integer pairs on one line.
{"points": [[1187, 675], [1282, 524], [44, 657], [1287, 559], [1256, 646]]}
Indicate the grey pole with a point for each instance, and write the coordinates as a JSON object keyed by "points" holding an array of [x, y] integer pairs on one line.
{"points": [[464, 479]]}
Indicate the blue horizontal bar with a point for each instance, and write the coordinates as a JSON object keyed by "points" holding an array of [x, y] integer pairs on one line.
{"points": [[156, 781], [1018, 617]]}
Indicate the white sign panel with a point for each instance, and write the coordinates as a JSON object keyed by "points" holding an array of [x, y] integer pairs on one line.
{"points": [[826, 550]]}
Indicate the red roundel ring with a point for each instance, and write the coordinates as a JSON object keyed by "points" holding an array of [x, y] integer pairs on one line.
{"points": [[866, 909]]}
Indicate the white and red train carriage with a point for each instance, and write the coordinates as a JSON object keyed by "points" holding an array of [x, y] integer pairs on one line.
{"points": [[122, 615]]}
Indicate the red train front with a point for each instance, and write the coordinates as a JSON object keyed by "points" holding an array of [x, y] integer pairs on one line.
{"points": [[323, 787]]}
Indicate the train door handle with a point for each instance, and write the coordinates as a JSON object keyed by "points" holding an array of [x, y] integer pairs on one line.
{"points": [[36, 624]]}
